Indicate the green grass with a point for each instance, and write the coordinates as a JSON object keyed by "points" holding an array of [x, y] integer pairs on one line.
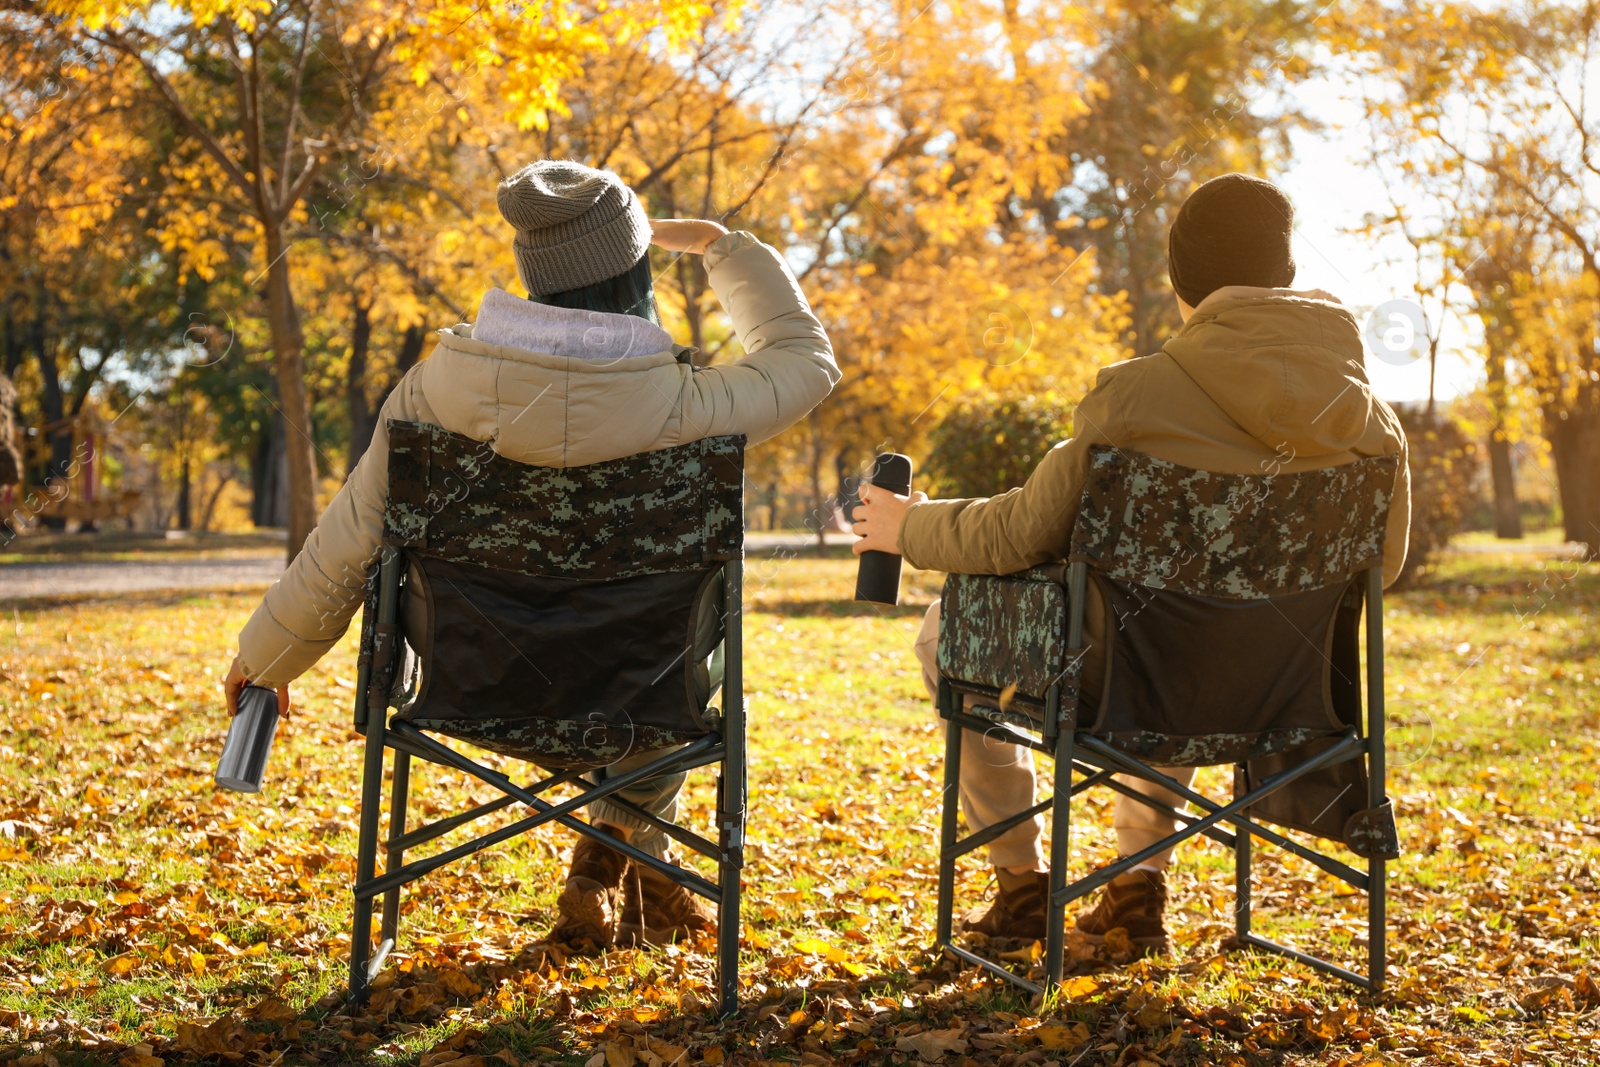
{"points": [[114, 846]]}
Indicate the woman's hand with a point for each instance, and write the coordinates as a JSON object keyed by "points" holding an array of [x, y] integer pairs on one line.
{"points": [[235, 681], [879, 518], [685, 235]]}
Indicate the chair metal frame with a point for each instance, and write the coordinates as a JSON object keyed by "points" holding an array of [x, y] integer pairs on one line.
{"points": [[723, 747], [1076, 751]]}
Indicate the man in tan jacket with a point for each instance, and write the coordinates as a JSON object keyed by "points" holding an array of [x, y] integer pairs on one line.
{"points": [[579, 373], [1260, 379]]}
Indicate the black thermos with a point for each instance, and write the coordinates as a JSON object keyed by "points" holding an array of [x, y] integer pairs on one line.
{"points": [[878, 577]]}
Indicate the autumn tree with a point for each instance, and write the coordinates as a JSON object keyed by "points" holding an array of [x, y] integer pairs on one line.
{"points": [[1174, 93], [1493, 99], [272, 91]]}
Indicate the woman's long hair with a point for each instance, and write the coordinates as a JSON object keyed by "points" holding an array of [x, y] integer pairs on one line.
{"points": [[629, 293]]}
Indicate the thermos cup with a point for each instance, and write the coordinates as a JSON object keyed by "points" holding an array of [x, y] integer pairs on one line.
{"points": [[244, 757], [878, 576]]}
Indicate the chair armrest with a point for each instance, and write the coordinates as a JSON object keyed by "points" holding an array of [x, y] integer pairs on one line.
{"points": [[1003, 630]]}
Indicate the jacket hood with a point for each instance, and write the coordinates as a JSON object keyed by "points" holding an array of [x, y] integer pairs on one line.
{"points": [[511, 322], [1287, 367]]}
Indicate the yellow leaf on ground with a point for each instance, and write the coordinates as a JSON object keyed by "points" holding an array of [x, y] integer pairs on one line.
{"points": [[459, 984], [1026, 954], [1054, 1036], [1080, 986], [118, 966]]}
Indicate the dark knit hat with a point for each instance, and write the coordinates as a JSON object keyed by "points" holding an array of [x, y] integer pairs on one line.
{"points": [[575, 225], [1233, 230]]}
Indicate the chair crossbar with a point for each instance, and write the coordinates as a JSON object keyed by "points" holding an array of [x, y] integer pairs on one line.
{"points": [[1271, 785], [427, 832], [544, 812], [1257, 941], [1100, 776], [993, 830], [686, 838], [1245, 824], [440, 827], [992, 967], [1106, 776], [451, 757]]}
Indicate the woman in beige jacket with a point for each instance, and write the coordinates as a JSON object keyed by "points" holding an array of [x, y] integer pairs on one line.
{"points": [[579, 373]]}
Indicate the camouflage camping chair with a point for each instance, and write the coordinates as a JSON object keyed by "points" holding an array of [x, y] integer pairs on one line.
{"points": [[1233, 605], [573, 617]]}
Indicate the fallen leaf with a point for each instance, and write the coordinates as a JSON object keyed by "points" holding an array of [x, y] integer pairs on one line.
{"points": [[1026, 954], [1078, 986], [120, 966], [933, 1044], [1052, 1036], [458, 984]]}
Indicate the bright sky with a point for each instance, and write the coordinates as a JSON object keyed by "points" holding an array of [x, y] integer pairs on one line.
{"points": [[1332, 190]]}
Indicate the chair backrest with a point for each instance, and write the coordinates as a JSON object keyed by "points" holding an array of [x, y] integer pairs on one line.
{"points": [[1231, 601], [456, 499], [569, 610], [1238, 536]]}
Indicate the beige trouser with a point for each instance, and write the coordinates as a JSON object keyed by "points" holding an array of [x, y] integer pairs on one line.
{"points": [[998, 780]]}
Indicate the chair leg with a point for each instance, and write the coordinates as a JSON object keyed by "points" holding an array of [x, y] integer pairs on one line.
{"points": [[366, 856], [731, 801], [1241, 863], [1055, 912], [1377, 931], [394, 858], [947, 830]]}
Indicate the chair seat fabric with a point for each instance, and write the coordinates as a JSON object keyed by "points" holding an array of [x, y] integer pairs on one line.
{"points": [[1198, 681], [563, 672]]}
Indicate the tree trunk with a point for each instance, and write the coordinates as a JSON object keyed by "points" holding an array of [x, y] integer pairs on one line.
{"points": [[1575, 448], [57, 427], [209, 508], [1502, 475], [692, 282], [817, 508], [362, 422], [410, 352], [288, 349], [269, 477], [1507, 511], [185, 520]]}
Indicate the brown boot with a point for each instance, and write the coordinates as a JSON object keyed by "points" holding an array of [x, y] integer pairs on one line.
{"points": [[1018, 908], [586, 911], [1134, 901], [656, 910]]}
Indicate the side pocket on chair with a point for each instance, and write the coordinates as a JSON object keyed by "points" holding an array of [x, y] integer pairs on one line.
{"points": [[1371, 832], [706, 628]]}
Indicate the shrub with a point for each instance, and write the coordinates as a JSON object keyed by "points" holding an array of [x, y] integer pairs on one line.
{"points": [[992, 443], [1447, 477]]}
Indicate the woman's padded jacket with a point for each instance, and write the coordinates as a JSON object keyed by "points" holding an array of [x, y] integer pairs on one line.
{"points": [[614, 386]]}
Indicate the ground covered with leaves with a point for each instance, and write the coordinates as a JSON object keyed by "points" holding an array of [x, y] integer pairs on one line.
{"points": [[147, 918]]}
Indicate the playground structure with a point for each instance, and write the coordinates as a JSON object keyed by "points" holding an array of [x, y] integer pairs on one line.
{"points": [[85, 498]]}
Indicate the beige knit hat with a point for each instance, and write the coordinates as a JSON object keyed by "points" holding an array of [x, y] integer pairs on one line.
{"points": [[575, 225]]}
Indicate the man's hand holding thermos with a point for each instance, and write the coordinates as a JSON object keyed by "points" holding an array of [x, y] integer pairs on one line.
{"points": [[885, 497]]}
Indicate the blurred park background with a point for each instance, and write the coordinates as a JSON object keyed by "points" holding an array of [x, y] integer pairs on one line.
{"points": [[228, 228]]}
